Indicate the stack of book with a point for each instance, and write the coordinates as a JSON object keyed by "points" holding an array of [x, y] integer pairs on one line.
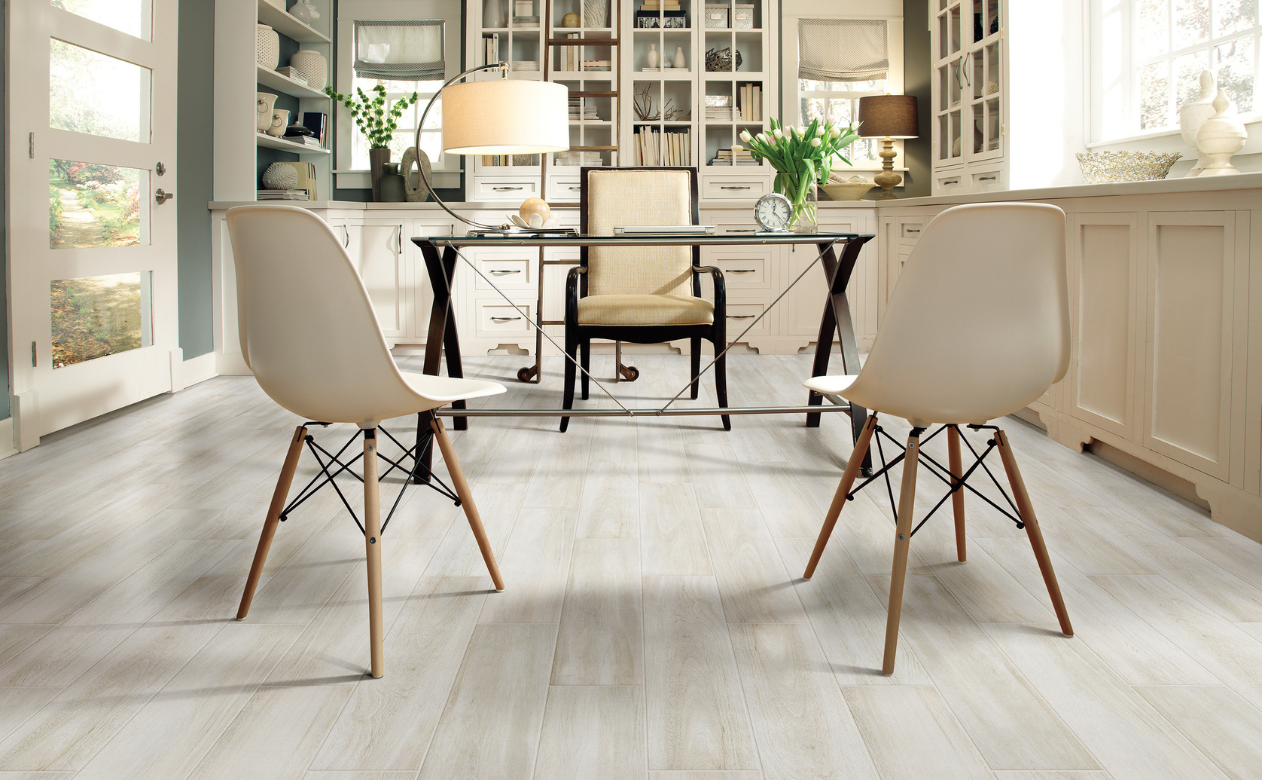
{"points": [[579, 159], [653, 147], [491, 48], [580, 108], [571, 54], [596, 65], [660, 5], [526, 22], [281, 195], [728, 157], [718, 114], [750, 99]]}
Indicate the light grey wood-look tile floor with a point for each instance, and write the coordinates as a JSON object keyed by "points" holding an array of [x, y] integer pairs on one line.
{"points": [[655, 624]]}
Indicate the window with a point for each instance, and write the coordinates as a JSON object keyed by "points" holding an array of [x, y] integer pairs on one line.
{"points": [[1174, 40], [838, 101], [405, 130]]}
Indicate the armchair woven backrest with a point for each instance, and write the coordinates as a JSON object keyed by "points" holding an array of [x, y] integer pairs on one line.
{"points": [[615, 197]]}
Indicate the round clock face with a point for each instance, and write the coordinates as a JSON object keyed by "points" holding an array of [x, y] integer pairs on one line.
{"points": [[772, 212]]}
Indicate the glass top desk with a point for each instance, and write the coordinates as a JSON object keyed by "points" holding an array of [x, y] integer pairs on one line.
{"points": [[441, 253]]}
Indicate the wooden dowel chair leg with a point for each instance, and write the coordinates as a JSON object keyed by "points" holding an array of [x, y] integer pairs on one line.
{"points": [[273, 518], [843, 489], [372, 545], [1032, 530], [466, 500], [957, 498], [902, 543]]}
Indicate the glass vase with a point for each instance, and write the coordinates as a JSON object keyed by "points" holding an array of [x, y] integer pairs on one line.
{"points": [[804, 218]]}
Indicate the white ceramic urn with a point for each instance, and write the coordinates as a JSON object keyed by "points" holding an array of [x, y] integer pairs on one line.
{"points": [[1222, 135], [652, 58], [1193, 115]]}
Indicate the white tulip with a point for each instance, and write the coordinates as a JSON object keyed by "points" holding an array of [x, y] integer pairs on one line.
{"points": [[779, 132], [737, 148], [745, 136], [836, 132], [815, 142], [771, 140], [801, 131]]}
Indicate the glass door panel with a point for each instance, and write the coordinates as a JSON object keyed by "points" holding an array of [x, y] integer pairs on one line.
{"points": [[96, 316], [92, 205], [93, 93], [129, 16]]}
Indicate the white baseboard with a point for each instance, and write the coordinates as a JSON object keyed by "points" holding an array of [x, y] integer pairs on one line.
{"points": [[7, 447], [198, 369], [231, 364]]}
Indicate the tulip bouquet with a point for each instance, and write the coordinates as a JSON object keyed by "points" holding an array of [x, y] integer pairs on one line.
{"points": [[802, 158]]}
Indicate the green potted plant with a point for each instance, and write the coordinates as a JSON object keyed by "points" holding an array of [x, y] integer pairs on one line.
{"points": [[377, 123], [802, 158]]}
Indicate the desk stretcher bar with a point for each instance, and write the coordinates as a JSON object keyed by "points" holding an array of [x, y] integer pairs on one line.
{"points": [[654, 412]]}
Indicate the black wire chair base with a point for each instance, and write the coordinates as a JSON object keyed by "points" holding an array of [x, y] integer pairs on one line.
{"points": [[940, 471], [419, 473]]}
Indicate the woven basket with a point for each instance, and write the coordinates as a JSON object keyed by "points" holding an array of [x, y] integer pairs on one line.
{"points": [[1112, 167]]}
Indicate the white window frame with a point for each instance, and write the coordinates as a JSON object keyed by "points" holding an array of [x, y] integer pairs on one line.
{"points": [[890, 11], [1114, 77], [446, 170]]}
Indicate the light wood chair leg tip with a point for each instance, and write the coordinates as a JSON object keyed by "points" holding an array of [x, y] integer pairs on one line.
{"points": [[806, 577]]}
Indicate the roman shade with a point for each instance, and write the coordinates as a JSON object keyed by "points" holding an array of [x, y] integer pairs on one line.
{"points": [[843, 49], [400, 51]]}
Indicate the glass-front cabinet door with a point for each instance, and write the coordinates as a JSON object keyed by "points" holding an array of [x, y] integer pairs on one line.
{"points": [[984, 87], [948, 113], [968, 86]]}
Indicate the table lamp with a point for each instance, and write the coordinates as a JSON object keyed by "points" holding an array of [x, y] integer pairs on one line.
{"points": [[888, 117], [503, 116]]}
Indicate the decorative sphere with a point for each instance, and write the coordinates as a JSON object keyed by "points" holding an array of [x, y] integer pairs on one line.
{"points": [[535, 212], [570, 20], [279, 176]]}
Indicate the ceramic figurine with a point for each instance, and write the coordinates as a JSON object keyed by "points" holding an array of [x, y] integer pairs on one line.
{"points": [[1193, 115], [1220, 137], [266, 101], [418, 193], [652, 58], [570, 20], [680, 62]]}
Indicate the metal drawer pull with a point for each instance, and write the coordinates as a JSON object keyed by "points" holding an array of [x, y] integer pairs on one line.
{"points": [[576, 188], [504, 319], [987, 178], [741, 270], [742, 230], [502, 272], [504, 189], [950, 181], [912, 230], [734, 187], [740, 316]]}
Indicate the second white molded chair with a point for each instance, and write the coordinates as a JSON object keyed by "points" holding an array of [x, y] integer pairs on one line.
{"points": [[977, 328], [309, 334]]}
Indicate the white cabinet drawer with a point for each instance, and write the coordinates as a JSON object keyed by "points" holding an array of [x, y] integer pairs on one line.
{"points": [[516, 273], [564, 189], [909, 232], [743, 268], [741, 315], [495, 316], [945, 183], [505, 189], [985, 181], [723, 187]]}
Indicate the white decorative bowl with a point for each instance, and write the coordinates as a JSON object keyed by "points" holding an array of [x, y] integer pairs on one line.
{"points": [[849, 190], [312, 65], [1111, 167]]}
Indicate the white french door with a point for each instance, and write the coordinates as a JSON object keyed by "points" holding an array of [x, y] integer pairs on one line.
{"points": [[93, 252]]}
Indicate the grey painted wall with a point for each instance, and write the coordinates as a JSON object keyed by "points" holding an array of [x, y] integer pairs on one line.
{"points": [[4, 221], [917, 77], [194, 165]]}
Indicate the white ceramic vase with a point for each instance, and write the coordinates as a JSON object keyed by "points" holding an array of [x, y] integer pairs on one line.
{"points": [[263, 120], [491, 16], [596, 13], [652, 58], [1193, 115], [680, 62], [280, 121], [312, 65], [267, 47], [1220, 137]]}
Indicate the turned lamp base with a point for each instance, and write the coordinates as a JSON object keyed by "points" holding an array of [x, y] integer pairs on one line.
{"points": [[887, 180]]}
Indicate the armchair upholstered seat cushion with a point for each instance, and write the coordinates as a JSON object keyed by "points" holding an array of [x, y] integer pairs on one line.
{"points": [[644, 310]]}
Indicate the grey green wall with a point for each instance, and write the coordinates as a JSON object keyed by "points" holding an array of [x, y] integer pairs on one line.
{"points": [[194, 166], [917, 77], [4, 222]]}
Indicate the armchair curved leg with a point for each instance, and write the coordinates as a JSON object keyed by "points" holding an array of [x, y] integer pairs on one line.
{"points": [[695, 348], [372, 545], [957, 498], [567, 400], [466, 501], [585, 350], [902, 544], [839, 498], [720, 387], [273, 518], [1032, 530]]}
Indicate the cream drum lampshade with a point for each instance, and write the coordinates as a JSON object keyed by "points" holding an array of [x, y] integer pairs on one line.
{"points": [[505, 116]]}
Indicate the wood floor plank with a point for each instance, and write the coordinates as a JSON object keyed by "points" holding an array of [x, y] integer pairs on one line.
{"points": [[848, 618], [610, 505], [704, 775], [1123, 732], [715, 475], [1119, 637], [865, 531], [911, 734], [536, 568], [388, 723], [1052, 774], [786, 506], [458, 554], [175, 730], [360, 776], [755, 586], [16, 637], [601, 638], [1005, 717], [491, 725], [276, 733], [613, 441], [593, 732], [662, 455], [1218, 721], [558, 480], [801, 722], [1238, 555], [696, 712], [672, 537], [19, 704]]}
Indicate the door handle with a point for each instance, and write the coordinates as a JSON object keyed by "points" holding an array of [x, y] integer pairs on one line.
{"points": [[400, 239], [346, 241], [162, 197]]}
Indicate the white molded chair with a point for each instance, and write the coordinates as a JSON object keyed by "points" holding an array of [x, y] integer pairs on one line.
{"points": [[309, 334], [977, 328]]}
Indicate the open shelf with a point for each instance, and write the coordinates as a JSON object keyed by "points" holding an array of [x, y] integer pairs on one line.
{"points": [[272, 142], [270, 78], [287, 25]]}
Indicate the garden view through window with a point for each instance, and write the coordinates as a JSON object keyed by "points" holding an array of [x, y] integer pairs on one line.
{"points": [[95, 316], [92, 205], [96, 94]]}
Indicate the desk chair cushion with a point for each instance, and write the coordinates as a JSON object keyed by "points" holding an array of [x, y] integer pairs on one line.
{"points": [[644, 310], [616, 198]]}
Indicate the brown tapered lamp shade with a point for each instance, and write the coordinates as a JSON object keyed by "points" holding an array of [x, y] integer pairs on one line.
{"points": [[888, 116]]}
